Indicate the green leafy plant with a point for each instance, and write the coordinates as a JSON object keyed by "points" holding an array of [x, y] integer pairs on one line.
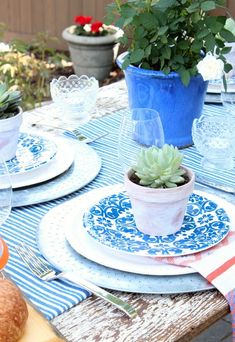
{"points": [[171, 35], [159, 167], [10, 101], [30, 68]]}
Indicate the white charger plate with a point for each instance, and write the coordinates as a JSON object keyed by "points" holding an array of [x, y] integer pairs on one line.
{"points": [[63, 223], [59, 164], [83, 170]]}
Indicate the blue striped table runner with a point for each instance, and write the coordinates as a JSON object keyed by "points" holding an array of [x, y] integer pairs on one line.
{"points": [[58, 296]]}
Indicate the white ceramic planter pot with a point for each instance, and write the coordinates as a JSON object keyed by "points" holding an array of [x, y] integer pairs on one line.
{"points": [[92, 56], [9, 134], [159, 211]]}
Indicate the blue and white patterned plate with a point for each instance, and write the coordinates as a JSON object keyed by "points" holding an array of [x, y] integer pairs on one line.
{"points": [[111, 223], [32, 151]]}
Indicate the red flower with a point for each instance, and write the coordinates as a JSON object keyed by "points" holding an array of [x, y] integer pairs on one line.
{"points": [[96, 26], [81, 20]]}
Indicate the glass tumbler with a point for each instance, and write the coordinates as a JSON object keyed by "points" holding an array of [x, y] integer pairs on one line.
{"points": [[214, 138]]}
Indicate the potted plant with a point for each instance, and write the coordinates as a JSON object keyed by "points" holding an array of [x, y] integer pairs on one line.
{"points": [[159, 188], [167, 39], [92, 46], [11, 116]]}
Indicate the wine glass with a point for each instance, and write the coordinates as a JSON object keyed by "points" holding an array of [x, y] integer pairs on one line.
{"points": [[5, 192], [228, 95], [140, 128], [5, 207]]}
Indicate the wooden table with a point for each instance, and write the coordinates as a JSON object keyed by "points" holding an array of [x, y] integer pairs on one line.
{"points": [[161, 318]]}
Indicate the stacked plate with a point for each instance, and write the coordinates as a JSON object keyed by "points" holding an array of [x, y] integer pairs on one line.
{"points": [[102, 242], [42, 163]]}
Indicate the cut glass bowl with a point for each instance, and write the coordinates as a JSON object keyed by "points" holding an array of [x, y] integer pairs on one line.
{"points": [[75, 96], [214, 138]]}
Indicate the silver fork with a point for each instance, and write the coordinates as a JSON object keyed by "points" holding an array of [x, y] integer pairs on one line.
{"points": [[43, 270]]}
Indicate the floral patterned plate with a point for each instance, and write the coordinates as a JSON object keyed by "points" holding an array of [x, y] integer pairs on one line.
{"points": [[32, 151], [111, 223]]}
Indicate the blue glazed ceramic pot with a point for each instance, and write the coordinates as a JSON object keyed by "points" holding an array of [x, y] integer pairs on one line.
{"points": [[177, 104]]}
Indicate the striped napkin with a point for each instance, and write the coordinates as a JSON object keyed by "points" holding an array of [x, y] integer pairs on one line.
{"points": [[217, 265]]}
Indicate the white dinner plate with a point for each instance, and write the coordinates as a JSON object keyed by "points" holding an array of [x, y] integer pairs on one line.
{"points": [[82, 243], [59, 164]]}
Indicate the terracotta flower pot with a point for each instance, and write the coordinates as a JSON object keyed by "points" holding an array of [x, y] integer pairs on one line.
{"points": [[92, 56], [9, 134], [159, 211]]}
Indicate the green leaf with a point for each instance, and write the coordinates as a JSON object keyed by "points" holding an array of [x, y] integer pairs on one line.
{"points": [[185, 76], [162, 30], [193, 8], [203, 33], [227, 35], [126, 63], [228, 67], [183, 44], [210, 42], [208, 5], [136, 56], [127, 11], [148, 20]]}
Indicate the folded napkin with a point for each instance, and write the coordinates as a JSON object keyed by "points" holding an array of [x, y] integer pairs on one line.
{"points": [[217, 265]]}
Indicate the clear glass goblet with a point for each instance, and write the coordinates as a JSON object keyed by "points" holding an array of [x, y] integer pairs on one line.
{"points": [[140, 128], [228, 95], [5, 192], [214, 138]]}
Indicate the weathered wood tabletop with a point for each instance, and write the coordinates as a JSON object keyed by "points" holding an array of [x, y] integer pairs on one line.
{"points": [[178, 317]]}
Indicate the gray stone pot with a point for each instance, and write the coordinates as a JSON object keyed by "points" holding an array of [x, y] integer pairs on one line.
{"points": [[92, 56]]}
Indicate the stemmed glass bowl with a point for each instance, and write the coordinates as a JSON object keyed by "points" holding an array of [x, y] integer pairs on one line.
{"points": [[75, 97], [214, 138]]}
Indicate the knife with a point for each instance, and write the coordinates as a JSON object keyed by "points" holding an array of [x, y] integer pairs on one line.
{"points": [[225, 188]]}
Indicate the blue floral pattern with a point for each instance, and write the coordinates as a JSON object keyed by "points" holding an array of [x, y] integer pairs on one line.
{"points": [[32, 152], [111, 223]]}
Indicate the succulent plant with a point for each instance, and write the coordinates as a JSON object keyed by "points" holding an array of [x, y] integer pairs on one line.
{"points": [[159, 167], [9, 101]]}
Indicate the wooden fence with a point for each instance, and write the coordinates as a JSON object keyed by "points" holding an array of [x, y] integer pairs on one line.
{"points": [[25, 18]]}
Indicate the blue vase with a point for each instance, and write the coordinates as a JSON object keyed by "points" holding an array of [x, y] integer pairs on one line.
{"points": [[177, 104]]}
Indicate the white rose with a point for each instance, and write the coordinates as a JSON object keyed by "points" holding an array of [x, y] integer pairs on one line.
{"points": [[87, 28], [210, 68]]}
